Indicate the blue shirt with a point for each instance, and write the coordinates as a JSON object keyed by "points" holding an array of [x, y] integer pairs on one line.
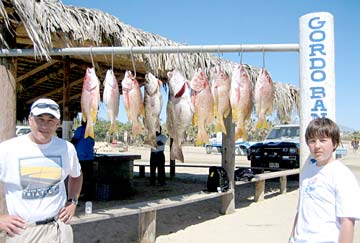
{"points": [[84, 146]]}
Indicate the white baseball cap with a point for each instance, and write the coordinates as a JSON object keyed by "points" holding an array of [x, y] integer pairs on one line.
{"points": [[45, 106]]}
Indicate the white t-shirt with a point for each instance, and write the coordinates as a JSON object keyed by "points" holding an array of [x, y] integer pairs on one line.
{"points": [[161, 141], [327, 193], [34, 174]]}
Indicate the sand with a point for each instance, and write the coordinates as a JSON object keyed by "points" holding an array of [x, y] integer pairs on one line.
{"points": [[262, 222]]}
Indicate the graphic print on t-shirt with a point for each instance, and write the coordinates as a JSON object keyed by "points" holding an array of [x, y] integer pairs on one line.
{"points": [[39, 176]]}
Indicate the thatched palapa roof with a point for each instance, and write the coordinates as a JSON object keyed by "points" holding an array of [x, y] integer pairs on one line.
{"points": [[45, 24]]}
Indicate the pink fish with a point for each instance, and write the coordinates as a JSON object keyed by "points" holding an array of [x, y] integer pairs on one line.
{"points": [[133, 102], [264, 97], [90, 98], [111, 99], [203, 103], [179, 112], [220, 90], [241, 99]]}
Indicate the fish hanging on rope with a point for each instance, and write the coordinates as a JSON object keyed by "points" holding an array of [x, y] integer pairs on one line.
{"points": [[153, 105], [220, 90], [241, 99], [90, 99], [111, 99], [264, 97], [133, 102], [203, 102], [179, 112]]}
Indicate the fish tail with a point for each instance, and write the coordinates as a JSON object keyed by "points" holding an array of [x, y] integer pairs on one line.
{"points": [[151, 140], [176, 153], [137, 128], [89, 130], [194, 119], [202, 137], [113, 128], [227, 112], [234, 115], [241, 133], [220, 126], [262, 124]]}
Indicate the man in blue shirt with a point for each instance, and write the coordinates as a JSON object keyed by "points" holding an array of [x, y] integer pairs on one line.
{"points": [[85, 151]]}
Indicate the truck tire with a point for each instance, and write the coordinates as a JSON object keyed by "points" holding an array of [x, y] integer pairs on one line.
{"points": [[208, 149]]}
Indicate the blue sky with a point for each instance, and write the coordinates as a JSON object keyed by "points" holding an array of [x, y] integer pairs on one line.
{"points": [[253, 22]]}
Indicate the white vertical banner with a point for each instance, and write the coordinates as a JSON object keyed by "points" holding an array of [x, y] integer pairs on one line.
{"points": [[317, 71]]}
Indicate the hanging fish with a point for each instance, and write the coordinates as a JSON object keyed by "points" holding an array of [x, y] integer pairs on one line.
{"points": [[111, 99], [90, 98], [203, 104], [241, 99], [133, 102], [220, 90], [264, 97], [179, 112], [153, 105]]}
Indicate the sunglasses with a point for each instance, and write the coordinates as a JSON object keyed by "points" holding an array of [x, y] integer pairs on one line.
{"points": [[43, 106]]}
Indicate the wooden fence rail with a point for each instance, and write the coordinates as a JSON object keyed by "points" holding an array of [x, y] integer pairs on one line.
{"points": [[147, 210]]}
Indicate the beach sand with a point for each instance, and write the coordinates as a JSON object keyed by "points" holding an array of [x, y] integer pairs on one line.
{"points": [[262, 222]]}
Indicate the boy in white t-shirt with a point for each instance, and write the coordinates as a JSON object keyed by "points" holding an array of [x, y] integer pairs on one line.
{"points": [[329, 199], [33, 168]]}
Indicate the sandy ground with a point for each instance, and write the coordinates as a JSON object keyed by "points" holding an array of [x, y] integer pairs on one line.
{"points": [[262, 222]]}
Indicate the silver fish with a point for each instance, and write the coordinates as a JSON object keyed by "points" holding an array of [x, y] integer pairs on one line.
{"points": [[153, 105], [111, 99], [179, 112]]}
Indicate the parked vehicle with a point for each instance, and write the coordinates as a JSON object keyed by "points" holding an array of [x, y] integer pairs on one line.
{"points": [[22, 130], [241, 147], [279, 150]]}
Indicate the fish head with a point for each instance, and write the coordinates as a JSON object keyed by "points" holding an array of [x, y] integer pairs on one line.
{"points": [[151, 83], [222, 80], [176, 82], [128, 81], [244, 72], [199, 81], [110, 78], [90, 80]]}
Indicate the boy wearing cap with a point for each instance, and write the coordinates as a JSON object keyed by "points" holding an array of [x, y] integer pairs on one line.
{"points": [[33, 168]]}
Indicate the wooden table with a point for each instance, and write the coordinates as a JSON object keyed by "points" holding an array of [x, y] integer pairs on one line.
{"points": [[113, 174]]}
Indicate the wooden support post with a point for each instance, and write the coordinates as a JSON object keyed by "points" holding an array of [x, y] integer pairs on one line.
{"points": [[259, 190], [66, 118], [283, 184], [147, 227], [7, 104], [172, 161], [228, 162]]}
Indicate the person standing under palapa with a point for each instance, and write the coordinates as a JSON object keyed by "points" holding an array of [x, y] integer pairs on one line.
{"points": [[33, 168], [85, 151], [329, 196], [157, 160]]}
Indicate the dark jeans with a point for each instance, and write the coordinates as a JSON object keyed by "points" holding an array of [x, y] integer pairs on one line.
{"points": [[88, 187], [157, 160]]}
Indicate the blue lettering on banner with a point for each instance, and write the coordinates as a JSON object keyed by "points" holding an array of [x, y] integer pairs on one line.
{"points": [[317, 92], [317, 65]]}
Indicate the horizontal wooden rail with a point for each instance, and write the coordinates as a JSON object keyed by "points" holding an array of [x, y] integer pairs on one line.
{"points": [[147, 206], [147, 210]]}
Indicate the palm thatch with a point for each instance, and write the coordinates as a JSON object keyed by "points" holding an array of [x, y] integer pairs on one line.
{"points": [[46, 24]]}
